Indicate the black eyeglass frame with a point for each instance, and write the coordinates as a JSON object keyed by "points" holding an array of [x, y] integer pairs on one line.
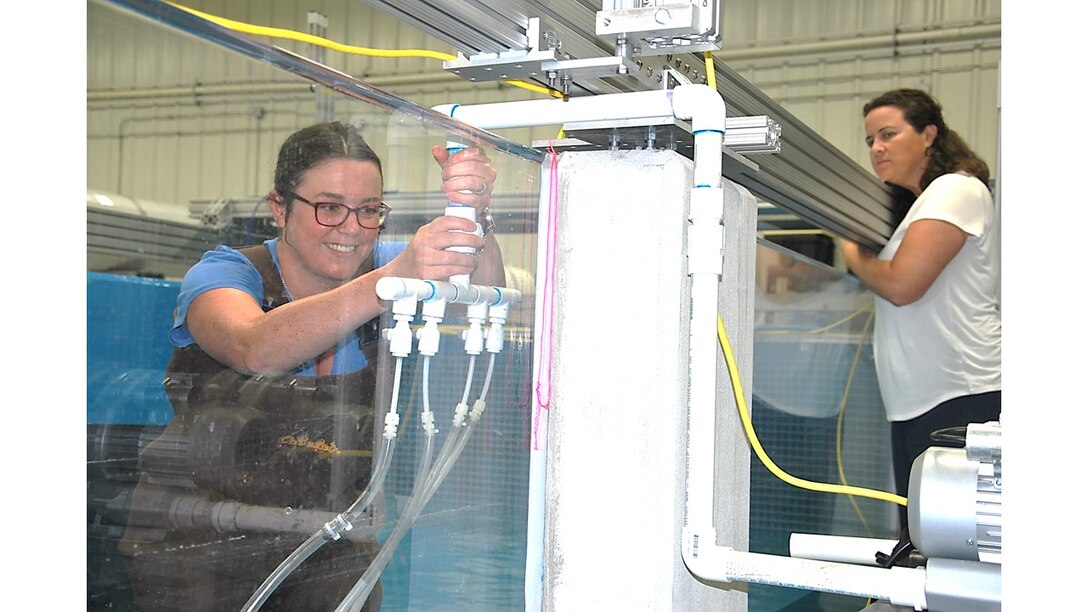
{"points": [[383, 211]]}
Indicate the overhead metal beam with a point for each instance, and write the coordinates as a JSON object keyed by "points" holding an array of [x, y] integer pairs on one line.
{"points": [[808, 177]]}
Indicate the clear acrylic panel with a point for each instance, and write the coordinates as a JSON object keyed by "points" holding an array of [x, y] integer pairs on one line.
{"points": [[816, 409], [171, 176], [194, 508]]}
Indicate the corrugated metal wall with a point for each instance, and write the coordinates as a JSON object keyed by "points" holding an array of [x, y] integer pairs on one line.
{"points": [[823, 59], [171, 119]]}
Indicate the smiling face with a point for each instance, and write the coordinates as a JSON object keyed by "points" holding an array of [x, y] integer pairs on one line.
{"points": [[896, 150], [316, 258]]}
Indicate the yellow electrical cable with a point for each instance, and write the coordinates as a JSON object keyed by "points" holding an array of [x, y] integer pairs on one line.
{"points": [[271, 32], [746, 420], [842, 416], [246, 28], [555, 93], [711, 77]]}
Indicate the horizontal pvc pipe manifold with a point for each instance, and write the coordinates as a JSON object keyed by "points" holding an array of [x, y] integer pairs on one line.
{"points": [[395, 288]]}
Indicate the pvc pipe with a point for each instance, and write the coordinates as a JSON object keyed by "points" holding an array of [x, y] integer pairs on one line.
{"points": [[703, 374], [699, 549], [530, 113], [164, 506], [706, 109], [900, 585], [464, 211], [401, 290], [841, 549]]}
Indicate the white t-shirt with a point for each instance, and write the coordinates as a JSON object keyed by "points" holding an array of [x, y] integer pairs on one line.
{"points": [[947, 344]]}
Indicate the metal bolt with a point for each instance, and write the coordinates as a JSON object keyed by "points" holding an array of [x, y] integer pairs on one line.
{"points": [[551, 39]]}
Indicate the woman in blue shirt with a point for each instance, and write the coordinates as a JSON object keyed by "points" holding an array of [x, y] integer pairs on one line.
{"points": [[271, 382]]}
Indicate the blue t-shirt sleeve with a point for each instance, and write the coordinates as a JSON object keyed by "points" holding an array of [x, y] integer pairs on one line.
{"points": [[222, 268], [226, 267], [385, 252]]}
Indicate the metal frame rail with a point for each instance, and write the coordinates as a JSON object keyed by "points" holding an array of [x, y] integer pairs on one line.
{"points": [[809, 177]]}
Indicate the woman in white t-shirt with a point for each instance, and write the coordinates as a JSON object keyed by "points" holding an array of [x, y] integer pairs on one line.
{"points": [[937, 341]]}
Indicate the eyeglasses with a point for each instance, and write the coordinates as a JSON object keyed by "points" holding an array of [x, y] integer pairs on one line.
{"points": [[331, 214]]}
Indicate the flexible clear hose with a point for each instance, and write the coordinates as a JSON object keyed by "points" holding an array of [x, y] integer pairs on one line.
{"points": [[426, 485], [396, 386], [468, 378], [455, 442], [385, 459], [487, 378], [443, 465], [426, 384], [295, 559], [319, 538], [355, 598], [421, 494]]}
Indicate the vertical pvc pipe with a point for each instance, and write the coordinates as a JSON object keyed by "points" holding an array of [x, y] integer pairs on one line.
{"points": [[706, 110], [464, 211]]}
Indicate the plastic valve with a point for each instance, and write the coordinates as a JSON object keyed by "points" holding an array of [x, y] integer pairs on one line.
{"points": [[429, 338]]}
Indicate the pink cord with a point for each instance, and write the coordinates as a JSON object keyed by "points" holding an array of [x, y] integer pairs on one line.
{"points": [[544, 342]]}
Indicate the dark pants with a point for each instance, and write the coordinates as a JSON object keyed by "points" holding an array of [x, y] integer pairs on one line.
{"points": [[911, 438]]}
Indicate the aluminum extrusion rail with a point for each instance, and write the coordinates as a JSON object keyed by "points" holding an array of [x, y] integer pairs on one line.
{"points": [[809, 177]]}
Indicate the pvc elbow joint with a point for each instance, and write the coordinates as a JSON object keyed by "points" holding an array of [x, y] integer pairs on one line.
{"points": [[700, 103]]}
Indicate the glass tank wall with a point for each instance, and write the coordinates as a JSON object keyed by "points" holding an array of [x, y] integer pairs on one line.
{"points": [[170, 527]]}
